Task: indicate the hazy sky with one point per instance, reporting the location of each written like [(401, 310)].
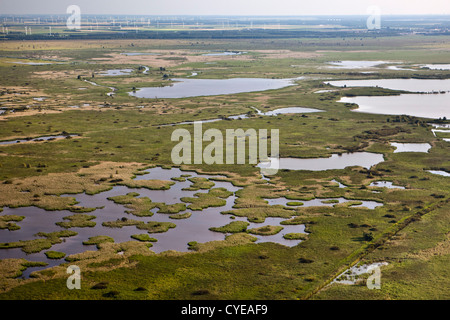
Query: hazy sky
[(226, 7)]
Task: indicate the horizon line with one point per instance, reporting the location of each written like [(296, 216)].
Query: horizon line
[(233, 15)]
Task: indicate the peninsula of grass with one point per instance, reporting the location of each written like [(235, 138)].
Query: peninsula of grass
[(6, 222), (265, 230), (178, 179), (349, 203), (232, 227), (37, 245), (295, 236)]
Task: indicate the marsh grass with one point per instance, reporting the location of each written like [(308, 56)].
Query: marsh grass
[(232, 227), (214, 198), (77, 221), (185, 215), (7, 222), (97, 240), (199, 183), (150, 226), (266, 230), (295, 236), (143, 237), (46, 241), (138, 206), (55, 254)]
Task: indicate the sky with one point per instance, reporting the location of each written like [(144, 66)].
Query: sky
[(226, 7)]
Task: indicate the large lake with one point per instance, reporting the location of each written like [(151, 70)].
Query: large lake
[(430, 105), (184, 88)]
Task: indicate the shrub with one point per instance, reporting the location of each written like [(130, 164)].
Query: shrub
[(200, 292), (304, 260), (100, 285), (111, 294), (367, 236)]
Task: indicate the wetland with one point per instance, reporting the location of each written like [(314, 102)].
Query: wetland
[(87, 178)]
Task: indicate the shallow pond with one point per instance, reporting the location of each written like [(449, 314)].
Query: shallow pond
[(325, 91), (47, 138), (411, 85), (33, 63), (116, 72), (328, 202), (362, 159), (352, 64), (183, 88), (194, 228), (433, 104), (440, 172), (411, 147), (437, 66), (275, 112), (350, 276), (226, 53), (140, 53), (385, 184), (288, 111)]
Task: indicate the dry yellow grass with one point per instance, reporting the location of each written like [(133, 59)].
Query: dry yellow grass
[(40, 191)]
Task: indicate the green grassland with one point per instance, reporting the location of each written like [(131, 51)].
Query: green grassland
[(410, 231)]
